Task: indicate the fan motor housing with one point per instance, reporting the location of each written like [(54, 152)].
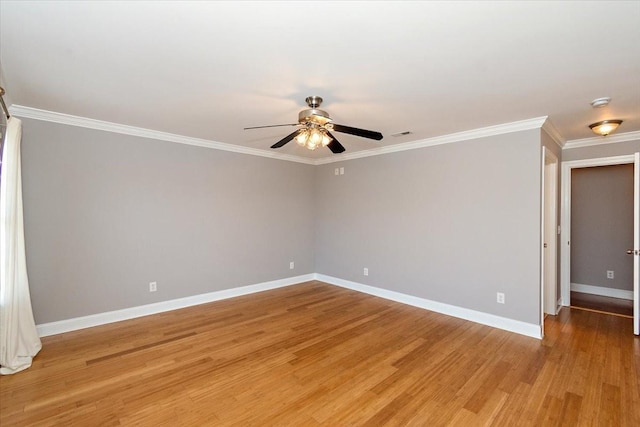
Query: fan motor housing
[(314, 115)]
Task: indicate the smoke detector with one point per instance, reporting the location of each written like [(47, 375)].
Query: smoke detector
[(600, 102)]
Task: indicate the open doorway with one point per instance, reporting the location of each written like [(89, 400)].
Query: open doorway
[(601, 232), (604, 238)]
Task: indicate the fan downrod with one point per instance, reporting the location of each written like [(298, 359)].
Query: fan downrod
[(313, 101)]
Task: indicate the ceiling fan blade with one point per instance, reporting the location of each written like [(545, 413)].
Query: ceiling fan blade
[(286, 139), (335, 145), (358, 132), (271, 126)]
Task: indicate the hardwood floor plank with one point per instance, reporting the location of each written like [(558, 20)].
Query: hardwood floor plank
[(389, 411), (316, 355), (488, 385), (609, 413), (602, 304), (571, 404), (139, 348)]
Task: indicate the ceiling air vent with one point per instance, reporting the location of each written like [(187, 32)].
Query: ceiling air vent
[(406, 132)]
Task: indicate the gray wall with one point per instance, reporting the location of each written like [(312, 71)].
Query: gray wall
[(602, 226), (604, 150), (454, 223), (105, 214)]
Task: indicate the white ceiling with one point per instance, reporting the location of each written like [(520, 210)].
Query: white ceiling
[(209, 69)]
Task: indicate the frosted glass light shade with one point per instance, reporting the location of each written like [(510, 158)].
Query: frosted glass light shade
[(605, 127)]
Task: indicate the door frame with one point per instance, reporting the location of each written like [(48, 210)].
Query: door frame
[(565, 227), (549, 164)]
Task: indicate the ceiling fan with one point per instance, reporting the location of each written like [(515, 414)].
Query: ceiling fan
[(315, 129)]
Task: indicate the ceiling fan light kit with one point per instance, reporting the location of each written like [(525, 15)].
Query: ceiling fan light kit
[(315, 129), (313, 138)]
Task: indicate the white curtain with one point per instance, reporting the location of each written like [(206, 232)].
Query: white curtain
[(19, 340)]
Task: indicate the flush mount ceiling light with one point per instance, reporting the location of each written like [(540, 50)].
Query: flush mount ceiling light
[(605, 127), (600, 102)]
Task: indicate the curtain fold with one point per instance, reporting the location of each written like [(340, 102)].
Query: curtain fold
[(19, 340)]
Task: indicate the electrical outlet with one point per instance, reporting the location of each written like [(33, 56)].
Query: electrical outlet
[(291, 265), (610, 274), (500, 298), (341, 171), (366, 271), (337, 171), (153, 286)]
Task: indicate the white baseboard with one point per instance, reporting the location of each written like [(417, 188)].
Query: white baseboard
[(523, 328), (62, 326), (68, 325), (602, 291)]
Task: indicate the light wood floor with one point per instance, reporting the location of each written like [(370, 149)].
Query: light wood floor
[(314, 354)]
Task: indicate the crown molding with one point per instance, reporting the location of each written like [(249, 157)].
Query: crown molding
[(553, 133), (67, 119), (600, 140), (535, 123)]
